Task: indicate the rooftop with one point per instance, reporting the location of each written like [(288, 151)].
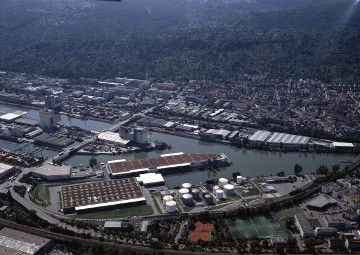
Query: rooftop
[(22, 243), (150, 178), (5, 167), (52, 170), (162, 162), (259, 136), (321, 201), (102, 193), (112, 137)]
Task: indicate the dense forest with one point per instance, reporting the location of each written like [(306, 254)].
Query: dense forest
[(319, 42)]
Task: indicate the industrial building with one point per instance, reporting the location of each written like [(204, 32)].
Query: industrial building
[(17, 242), (304, 226), (47, 119), (164, 162), (151, 179), (52, 140), (287, 140), (321, 203), (51, 172), (259, 137), (11, 116), (100, 195), (6, 170), (114, 138)]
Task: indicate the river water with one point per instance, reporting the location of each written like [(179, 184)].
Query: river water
[(249, 162)]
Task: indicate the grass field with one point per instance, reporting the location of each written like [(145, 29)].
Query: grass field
[(41, 193), (289, 212), (251, 191), (118, 213), (255, 227)]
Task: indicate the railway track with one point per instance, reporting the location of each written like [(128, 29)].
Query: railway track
[(92, 242)]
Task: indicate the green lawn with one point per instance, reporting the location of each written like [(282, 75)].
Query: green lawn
[(118, 213), (289, 212), (41, 193)]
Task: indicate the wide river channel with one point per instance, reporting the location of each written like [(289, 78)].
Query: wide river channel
[(249, 162)]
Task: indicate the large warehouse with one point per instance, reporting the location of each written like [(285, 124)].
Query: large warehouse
[(6, 170), (165, 162), (259, 137), (287, 140), (95, 195), (17, 242)]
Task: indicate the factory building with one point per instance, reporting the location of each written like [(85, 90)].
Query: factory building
[(51, 172), (151, 179), (259, 137), (47, 119), (164, 163), (101, 195), (6, 170), (17, 242), (53, 102), (287, 140)]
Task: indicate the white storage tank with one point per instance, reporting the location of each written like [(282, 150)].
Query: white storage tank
[(223, 182), (167, 198), (215, 188), (229, 189), (182, 192), (208, 199), (186, 185), (188, 199), (171, 206), (239, 179), (219, 194), (164, 193), (196, 193)]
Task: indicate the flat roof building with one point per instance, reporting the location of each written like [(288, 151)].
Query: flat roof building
[(151, 179), (259, 136), (287, 140), (164, 162), (6, 170), (321, 202), (51, 172), (114, 138), (17, 242), (93, 195)]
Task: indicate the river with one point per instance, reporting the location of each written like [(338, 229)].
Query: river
[(249, 162)]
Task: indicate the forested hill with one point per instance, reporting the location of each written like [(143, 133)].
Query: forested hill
[(320, 41)]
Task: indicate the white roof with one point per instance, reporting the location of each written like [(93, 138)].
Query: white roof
[(5, 167), (112, 137), (116, 160), (340, 144), (12, 115), (172, 154), (133, 200), (259, 135), (52, 170), (150, 178)]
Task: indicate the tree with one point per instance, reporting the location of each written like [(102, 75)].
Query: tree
[(297, 169), (93, 161)]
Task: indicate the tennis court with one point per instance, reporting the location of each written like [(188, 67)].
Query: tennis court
[(256, 226)]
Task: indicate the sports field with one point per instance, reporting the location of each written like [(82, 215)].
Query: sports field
[(257, 226)]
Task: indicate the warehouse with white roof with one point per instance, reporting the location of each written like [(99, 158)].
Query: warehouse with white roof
[(259, 137), (287, 140)]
